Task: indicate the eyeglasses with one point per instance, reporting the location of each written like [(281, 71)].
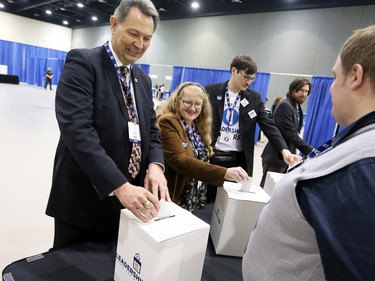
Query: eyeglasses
[(248, 78), (189, 104)]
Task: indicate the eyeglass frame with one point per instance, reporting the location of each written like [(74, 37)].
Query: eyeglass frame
[(193, 104), (246, 77), (196, 105)]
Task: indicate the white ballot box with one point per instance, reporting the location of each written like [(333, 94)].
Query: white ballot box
[(272, 179), (169, 249), (234, 217)]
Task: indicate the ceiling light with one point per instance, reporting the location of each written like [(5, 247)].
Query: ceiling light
[(94, 18), (80, 5), (2, 5), (48, 12), (195, 5), (65, 22)]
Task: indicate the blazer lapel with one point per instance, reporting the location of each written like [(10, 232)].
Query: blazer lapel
[(300, 112), (220, 98), (244, 109), (115, 83), (140, 101)]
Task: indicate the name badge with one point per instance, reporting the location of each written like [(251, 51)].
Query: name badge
[(134, 132), (252, 114), (244, 102)]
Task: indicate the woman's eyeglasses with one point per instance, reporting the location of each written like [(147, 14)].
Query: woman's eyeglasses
[(189, 104)]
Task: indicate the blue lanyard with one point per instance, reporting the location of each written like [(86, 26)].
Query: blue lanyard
[(124, 84), (194, 137), (315, 153), (231, 108)]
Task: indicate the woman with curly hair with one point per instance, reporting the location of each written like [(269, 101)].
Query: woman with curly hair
[(185, 128)]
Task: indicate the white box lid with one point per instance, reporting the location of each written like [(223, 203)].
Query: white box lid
[(181, 223), (257, 193)]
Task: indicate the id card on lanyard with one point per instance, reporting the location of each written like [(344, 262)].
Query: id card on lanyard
[(134, 132), (133, 127)]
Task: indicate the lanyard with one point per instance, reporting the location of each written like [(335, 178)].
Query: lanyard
[(315, 153), (231, 108), (194, 137), (124, 84)]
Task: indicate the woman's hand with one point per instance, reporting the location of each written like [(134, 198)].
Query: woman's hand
[(236, 174)]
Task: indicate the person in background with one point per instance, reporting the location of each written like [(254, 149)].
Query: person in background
[(185, 128), (236, 111), (161, 91), (320, 222), (109, 155), (276, 101), (49, 76), (288, 117)]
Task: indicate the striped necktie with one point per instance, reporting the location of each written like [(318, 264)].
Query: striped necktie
[(136, 153)]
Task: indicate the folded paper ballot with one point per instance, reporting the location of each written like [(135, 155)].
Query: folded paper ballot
[(246, 185), (164, 212)]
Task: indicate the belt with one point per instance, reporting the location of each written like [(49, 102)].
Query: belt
[(227, 153)]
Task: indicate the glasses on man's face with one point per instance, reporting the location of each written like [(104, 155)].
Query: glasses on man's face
[(248, 77), (189, 104)]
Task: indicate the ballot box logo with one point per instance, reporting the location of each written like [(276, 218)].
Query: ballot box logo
[(137, 265), (133, 270)]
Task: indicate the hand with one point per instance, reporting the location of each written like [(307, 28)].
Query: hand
[(134, 198), (156, 182), (290, 158), (236, 174)]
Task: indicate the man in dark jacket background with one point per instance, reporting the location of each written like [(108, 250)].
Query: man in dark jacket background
[(288, 117)]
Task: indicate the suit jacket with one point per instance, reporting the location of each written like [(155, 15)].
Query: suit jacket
[(247, 124), (180, 161), (286, 119), (92, 155)]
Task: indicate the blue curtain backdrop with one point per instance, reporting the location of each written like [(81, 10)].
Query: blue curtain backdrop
[(320, 125), (178, 72), (30, 62), (145, 68), (205, 76), (261, 86)]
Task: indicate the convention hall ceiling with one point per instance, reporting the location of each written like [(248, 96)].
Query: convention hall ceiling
[(78, 17)]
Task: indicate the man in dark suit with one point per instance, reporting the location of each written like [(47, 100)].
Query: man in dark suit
[(105, 113), (288, 117), (236, 110)]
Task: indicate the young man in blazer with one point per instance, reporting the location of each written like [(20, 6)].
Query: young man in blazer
[(236, 110), (102, 117)]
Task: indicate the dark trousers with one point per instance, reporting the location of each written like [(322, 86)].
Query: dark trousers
[(48, 82), (228, 160), (68, 234), (267, 167)]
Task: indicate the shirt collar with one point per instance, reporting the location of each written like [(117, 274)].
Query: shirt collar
[(118, 62), (360, 123)]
